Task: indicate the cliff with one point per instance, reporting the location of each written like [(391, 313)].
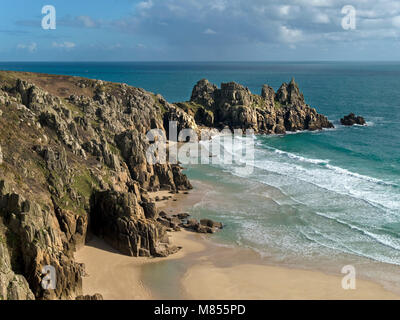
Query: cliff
[(73, 163), (236, 107)]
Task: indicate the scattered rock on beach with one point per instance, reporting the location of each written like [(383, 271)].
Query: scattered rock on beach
[(352, 119), (183, 216), (191, 223), (164, 222), (204, 226), (211, 224), (164, 250), (176, 221), (172, 222)]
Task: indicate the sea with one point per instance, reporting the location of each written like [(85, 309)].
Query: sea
[(314, 200)]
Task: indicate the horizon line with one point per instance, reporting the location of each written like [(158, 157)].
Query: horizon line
[(189, 61)]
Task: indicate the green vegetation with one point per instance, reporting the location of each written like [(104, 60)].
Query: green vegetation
[(113, 148), (278, 105), (2, 239), (74, 109), (190, 107), (159, 105), (95, 124), (84, 184)]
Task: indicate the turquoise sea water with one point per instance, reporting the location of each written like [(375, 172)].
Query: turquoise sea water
[(314, 198)]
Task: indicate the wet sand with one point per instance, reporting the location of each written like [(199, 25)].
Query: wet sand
[(204, 270), (232, 273)]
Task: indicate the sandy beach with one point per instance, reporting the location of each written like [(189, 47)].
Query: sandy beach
[(204, 270), (118, 277), (230, 273)]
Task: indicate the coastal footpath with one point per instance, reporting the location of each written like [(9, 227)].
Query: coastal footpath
[(73, 163)]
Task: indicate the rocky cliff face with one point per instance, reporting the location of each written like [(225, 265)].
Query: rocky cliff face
[(72, 161), (236, 107)]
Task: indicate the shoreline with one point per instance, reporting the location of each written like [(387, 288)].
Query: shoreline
[(203, 269), (241, 274)]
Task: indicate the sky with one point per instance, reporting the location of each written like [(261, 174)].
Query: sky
[(201, 30)]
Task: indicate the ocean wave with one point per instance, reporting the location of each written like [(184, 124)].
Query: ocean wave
[(346, 249), (332, 167), (323, 174), (255, 237), (385, 240), (297, 157), (361, 176), (380, 199), (320, 173)]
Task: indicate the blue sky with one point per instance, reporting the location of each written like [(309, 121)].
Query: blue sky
[(199, 30)]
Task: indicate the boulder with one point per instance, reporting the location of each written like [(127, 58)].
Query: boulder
[(210, 223), (162, 214), (352, 119), (204, 226), (183, 216), (192, 224), (204, 229), (165, 222)]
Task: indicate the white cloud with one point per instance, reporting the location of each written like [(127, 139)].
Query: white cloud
[(284, 10), (65, 44), (321, 18), (32, 47), (290, 35), (219, 5), (243, 23), (145, 5), (87, 21), (209, 31), (316, 3), (396, 21)]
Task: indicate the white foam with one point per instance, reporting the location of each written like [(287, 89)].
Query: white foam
[(372, 190), (385, 240), (313, 183), (299, 158)]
